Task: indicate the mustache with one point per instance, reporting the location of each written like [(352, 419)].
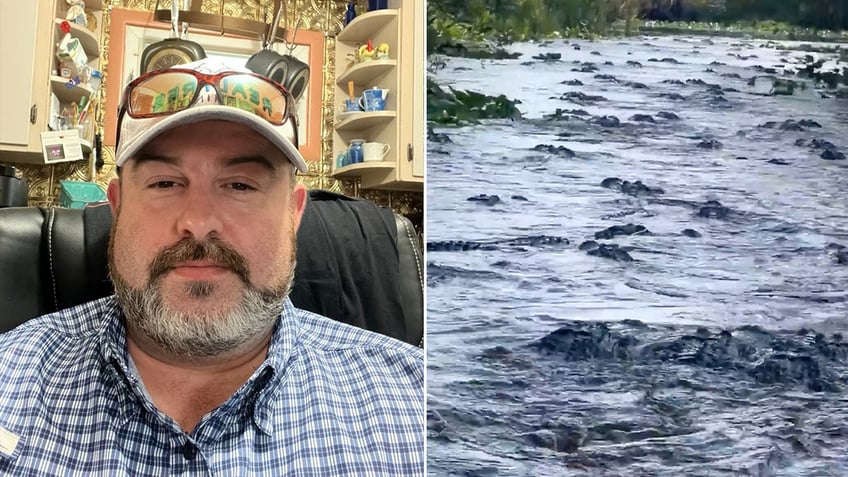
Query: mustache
[(189, 249)]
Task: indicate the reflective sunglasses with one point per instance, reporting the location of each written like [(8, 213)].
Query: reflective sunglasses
[(169, 91)]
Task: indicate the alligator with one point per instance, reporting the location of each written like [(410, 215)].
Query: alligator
[(642, 118), (605, 77), (485, 199), (608, 121), (832, 155), (711, 209), (615, 230), (517, 242), (668, 115), (603, 250), (555, 150), (791, 125), (548, 56), (635, 189), (801, 357), (581, 98), (710, 144)]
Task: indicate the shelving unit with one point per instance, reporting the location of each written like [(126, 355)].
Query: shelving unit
[(367, 71), (374, 167), (366, 120), (88, 39), (366, 24), (34, 31), (401, 124), (59, 87)]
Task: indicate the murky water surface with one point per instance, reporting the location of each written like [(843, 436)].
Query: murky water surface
[(717, 351)]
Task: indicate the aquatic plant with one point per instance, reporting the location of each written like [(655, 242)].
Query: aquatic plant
[(452, 106)]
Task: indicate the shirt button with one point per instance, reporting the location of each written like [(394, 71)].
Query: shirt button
[(189, 450)]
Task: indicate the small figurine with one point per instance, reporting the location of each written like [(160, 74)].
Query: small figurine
[(350, 13), (76, 12), (366, 51), (382, 52)]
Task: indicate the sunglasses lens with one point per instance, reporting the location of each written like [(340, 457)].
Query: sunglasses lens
[(172, 91), (254, 95), (162, 94)]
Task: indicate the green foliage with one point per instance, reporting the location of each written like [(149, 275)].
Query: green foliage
[(521, 20), (818, 14)]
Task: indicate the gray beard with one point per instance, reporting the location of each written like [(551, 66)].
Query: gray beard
[(199, 334)]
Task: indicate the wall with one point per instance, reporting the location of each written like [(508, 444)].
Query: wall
[(319, 15)]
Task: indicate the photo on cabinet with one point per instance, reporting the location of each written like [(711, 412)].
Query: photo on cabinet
[(207, 265), (637, 248)]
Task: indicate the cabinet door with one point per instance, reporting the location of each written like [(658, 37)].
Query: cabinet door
[(418, 91), (412, 84), (18, 26)]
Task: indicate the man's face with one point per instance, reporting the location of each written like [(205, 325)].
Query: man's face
[(203, 241)]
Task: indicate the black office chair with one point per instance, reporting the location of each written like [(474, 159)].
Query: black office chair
[(356, 263)]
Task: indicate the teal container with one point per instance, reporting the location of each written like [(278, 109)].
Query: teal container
[(75, 194)]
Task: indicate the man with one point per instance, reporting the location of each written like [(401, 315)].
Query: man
[(200, 365)]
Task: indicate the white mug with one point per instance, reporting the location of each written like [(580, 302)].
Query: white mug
[(375, 151)]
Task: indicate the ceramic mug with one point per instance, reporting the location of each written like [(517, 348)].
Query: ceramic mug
[(374, 99), (375, 151), (351, 105)]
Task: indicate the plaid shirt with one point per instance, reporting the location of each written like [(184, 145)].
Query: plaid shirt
[(329, 400)]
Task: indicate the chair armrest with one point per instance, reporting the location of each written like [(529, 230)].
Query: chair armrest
[(411, 279)]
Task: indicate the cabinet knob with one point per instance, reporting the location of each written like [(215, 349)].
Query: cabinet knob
[(33, 114), (410, 152)]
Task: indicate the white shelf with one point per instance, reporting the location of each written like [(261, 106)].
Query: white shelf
[(365, 72), (358, 169), (89, 41), (366, 120), (364, 25), (68, 95)]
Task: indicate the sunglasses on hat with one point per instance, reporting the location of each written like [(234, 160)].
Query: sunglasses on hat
[(169, 91)]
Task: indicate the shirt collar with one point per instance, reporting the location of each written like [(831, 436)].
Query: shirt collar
[(265, 383)]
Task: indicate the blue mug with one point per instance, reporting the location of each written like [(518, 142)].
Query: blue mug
[(374, 99), (352, 105)]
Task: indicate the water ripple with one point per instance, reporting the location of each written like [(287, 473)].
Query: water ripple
[(717, 350)]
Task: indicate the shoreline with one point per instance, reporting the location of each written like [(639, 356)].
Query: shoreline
[(750, 33)]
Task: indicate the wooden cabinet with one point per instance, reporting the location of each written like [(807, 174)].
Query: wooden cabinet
[(401, 124), (29, 34)]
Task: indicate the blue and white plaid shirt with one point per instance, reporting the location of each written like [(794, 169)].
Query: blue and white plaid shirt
[(329, 400)]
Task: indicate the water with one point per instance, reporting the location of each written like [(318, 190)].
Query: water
[(545, 360)]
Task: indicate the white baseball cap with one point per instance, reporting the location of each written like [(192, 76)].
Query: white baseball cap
[(136, 133)]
